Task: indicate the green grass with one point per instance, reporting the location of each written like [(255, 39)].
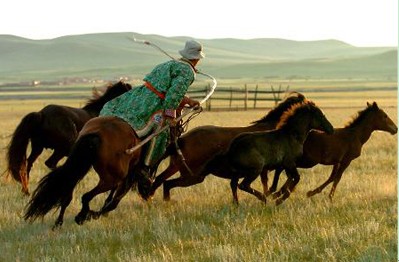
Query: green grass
[(202, 224)]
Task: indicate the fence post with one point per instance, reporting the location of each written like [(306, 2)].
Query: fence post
[(256, 95)]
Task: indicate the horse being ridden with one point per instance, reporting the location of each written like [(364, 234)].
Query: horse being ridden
[(252, 153), (102, 144), (203, 143), (341, 147), (106, 142), (55, 127)]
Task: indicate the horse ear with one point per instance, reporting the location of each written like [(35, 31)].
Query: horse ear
[(368, 104), (375, 104)]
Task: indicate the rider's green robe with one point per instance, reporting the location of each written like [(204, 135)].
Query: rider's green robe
[(140, 106)]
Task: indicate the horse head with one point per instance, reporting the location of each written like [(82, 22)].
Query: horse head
[(381, 121), (319, 120), (305, 116)]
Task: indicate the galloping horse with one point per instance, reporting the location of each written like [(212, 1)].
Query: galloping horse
[(214, 140), (252, 153), (102, 144), (55, 127), (341, 147)]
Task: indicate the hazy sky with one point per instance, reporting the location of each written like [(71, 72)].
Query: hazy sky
[(357, 22)]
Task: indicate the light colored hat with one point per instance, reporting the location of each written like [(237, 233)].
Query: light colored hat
[(192, 50)]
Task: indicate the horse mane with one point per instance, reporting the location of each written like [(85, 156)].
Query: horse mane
[(276, 112), (361, 115), (96, 94), (111, 90), (294, 109)]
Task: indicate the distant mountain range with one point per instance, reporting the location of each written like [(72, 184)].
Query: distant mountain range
[(114, 55)]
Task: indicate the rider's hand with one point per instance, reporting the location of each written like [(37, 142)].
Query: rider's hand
[(193, 103), (172, 122), (188, 101)]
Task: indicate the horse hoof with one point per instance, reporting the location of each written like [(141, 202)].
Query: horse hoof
[(79, 220), (95, 215), (263, 199), (57, 225), (25, 191), (166, 198), (146, 198), (310, 194), (275, 195), (279, 201)]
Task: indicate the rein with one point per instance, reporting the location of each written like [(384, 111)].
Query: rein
[(195, 111)]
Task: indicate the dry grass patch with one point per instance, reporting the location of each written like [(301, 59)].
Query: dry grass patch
[(202, 224)]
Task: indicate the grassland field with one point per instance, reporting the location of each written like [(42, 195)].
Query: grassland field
[(202, 224)]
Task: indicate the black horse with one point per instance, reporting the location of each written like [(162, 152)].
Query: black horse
[(253, 153), (55, 127)]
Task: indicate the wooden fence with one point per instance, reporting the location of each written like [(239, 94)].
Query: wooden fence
[(233, 98)]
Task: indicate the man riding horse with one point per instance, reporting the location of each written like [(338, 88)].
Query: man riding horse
[(148, 107)]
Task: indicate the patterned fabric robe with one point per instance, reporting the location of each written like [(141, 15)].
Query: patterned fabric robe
[(145, 111)]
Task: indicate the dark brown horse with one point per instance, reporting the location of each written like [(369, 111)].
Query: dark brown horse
[(55, 127), (340, 148), (214, 140), (252, 153), (101, 144)]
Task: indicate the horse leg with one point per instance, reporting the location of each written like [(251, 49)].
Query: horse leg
[(53, 160), (245, 185), (34, 154), (264, 180), (60, 218), (338, 178), (159, 180), (180, 182), (276, 177), (283, 188), (107, 200), (112, 201), (328, 181), (85, 213), (234, 186), (293, 180)]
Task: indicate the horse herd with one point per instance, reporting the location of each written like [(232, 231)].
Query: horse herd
[(294, 134)]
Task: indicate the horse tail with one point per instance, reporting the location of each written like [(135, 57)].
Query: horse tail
[(57, 187), (16, 154)]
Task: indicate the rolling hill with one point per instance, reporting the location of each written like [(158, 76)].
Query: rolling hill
[(112, 55)]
